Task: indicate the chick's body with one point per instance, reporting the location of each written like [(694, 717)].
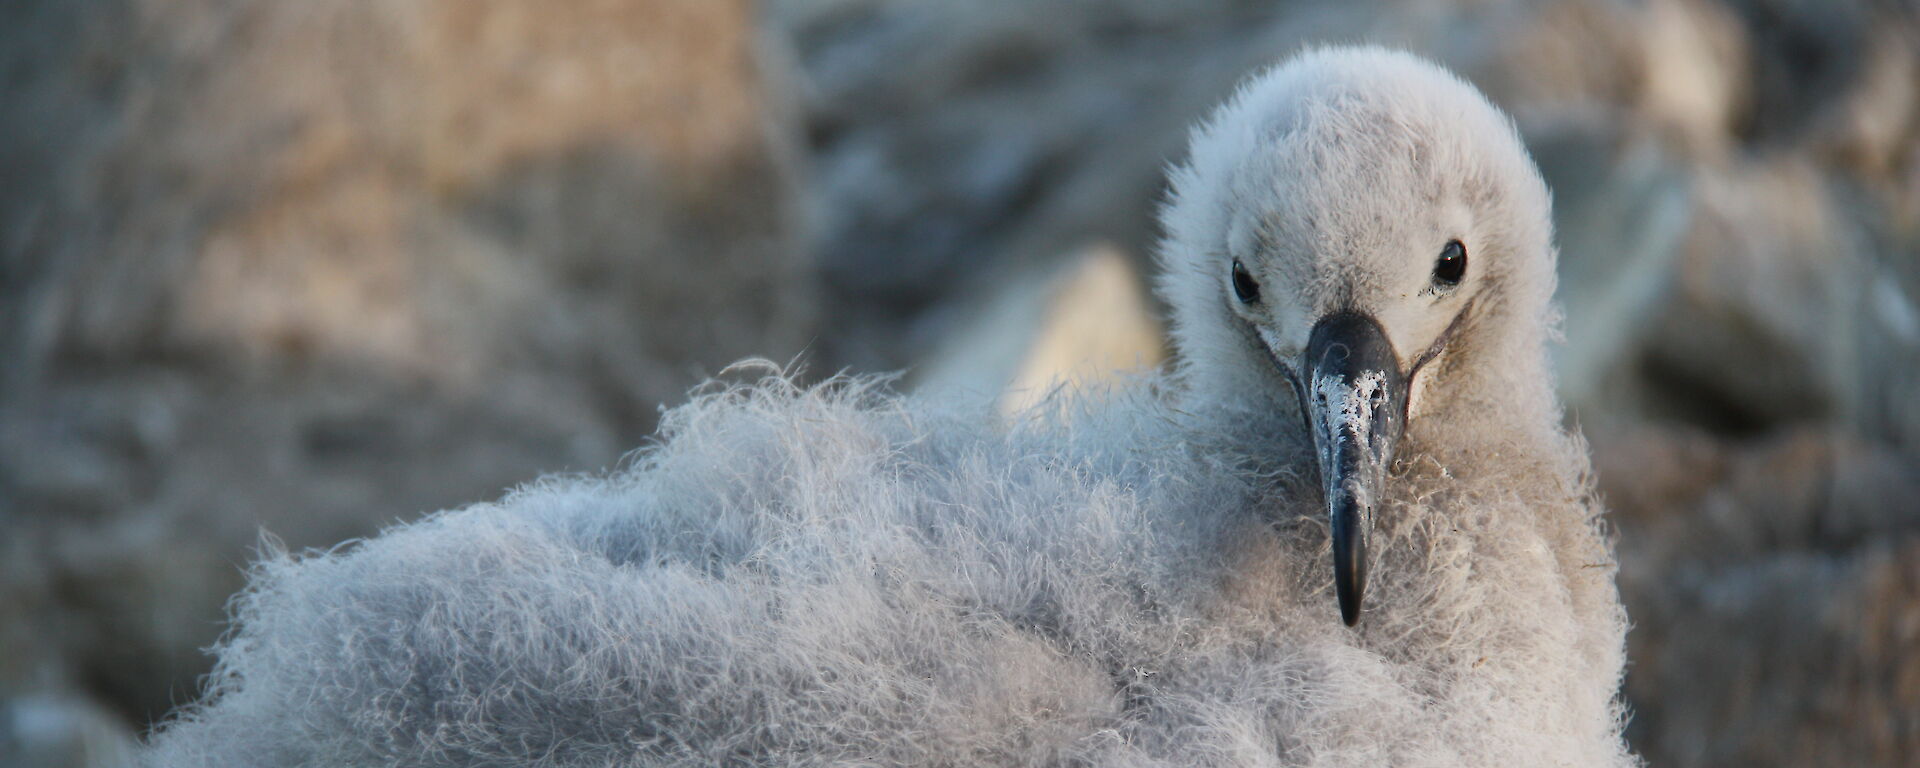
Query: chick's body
[(837, 575)]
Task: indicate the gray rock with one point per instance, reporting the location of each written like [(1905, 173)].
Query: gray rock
[(51, 730)]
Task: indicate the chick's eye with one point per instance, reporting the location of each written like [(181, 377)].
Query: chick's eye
[(1243, 285), (1452, 265)]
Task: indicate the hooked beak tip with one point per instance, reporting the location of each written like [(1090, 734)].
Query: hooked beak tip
[(1349, 561)]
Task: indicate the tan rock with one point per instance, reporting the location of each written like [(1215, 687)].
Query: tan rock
[(1039, 338), (1774, 593), (314, 267)]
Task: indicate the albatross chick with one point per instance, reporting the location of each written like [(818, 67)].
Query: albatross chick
[(1346, 528)]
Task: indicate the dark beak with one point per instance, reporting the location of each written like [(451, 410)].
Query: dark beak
[(1356, 404)]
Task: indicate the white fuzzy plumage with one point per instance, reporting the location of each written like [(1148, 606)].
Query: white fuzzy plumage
[(838, 575)]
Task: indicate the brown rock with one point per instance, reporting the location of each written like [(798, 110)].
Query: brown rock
[(314, 267), (1773, 592)]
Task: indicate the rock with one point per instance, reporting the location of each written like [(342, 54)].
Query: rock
[(50, 730), (315, 267), (1775, 591), (1621, 223), (1041, 337), (951, 139), (1775, 319)]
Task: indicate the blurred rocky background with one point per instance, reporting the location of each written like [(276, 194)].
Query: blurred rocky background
[(316, 267)]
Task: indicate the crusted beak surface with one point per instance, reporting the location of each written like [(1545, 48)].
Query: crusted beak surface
[(1356, 402)]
